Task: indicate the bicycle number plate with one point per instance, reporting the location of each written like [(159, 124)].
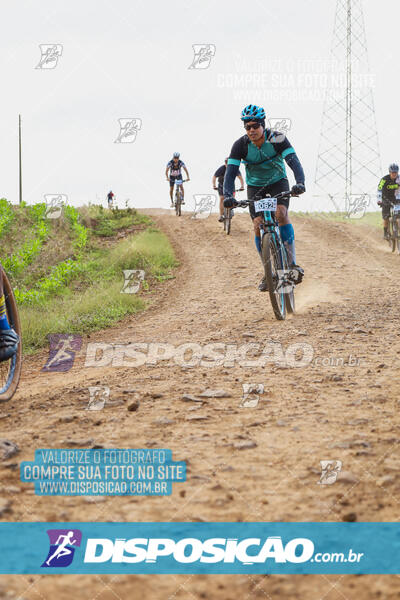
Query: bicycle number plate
[(396, 208), (178, 181), (265, 204)]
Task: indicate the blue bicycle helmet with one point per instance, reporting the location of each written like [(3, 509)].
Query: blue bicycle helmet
[(176, 155), (393, 168), (253, 113)]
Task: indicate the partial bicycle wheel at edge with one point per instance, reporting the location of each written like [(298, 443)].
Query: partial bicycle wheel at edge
[(272, 262), (10, 370)]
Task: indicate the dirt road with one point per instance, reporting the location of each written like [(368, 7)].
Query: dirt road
[(244, 464)]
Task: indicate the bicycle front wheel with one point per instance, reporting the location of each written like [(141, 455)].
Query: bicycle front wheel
[(178, 202), (10, 370), (396, 234), (272, 261), (228, 220), (392, 235)]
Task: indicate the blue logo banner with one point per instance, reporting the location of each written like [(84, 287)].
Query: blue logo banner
[(204, 548)]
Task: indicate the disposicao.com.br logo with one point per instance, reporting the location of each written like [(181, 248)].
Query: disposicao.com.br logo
[(188, 550)]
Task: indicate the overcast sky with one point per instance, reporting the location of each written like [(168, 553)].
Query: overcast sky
[(130, 59)]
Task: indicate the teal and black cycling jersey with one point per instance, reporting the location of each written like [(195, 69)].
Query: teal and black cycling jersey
[(263, 165)]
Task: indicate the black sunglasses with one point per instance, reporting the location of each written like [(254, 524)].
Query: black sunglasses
[(249, 126)]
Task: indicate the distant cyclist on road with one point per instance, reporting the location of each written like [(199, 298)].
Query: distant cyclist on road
[(110, 199), (387, 189), (220, 174), (263, 152), (175, 167)]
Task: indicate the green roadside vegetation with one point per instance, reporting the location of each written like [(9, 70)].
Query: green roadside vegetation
[(67, 272)]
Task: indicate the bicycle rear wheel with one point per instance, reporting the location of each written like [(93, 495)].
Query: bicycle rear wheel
[(10, 370), (272, 261)]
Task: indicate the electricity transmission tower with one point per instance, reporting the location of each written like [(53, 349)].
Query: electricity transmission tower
[(348, 158)]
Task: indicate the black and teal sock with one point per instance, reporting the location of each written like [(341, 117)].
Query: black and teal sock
[(287, 235), (3, 315), (257, 240)]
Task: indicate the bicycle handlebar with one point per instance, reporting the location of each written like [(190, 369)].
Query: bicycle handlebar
[(238, 190), (248, 201)]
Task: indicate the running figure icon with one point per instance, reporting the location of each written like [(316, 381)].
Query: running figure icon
[(62, 549), (63, 544)]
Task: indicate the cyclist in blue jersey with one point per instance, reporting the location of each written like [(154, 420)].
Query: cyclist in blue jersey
[(175, 167), (263, 152)]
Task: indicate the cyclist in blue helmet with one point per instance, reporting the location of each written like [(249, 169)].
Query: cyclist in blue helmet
[(264, 153)]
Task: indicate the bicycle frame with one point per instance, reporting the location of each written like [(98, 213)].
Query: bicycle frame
[(179, 186)]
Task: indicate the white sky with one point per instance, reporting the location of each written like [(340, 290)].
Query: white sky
[(124, 58)]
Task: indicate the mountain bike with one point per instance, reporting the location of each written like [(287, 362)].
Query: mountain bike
[(281, 280), (394, 227), (228, 214), (178, 196), (10, 370)]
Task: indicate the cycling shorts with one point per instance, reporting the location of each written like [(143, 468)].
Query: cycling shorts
[(175, 179), (275, 188)]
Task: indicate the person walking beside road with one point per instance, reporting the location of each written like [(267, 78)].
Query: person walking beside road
[(387, 189), (220, 174)]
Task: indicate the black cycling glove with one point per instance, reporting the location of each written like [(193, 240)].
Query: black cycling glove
[(298, 188), (230, 202)]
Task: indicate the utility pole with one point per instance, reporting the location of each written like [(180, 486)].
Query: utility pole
[(20, 161)]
